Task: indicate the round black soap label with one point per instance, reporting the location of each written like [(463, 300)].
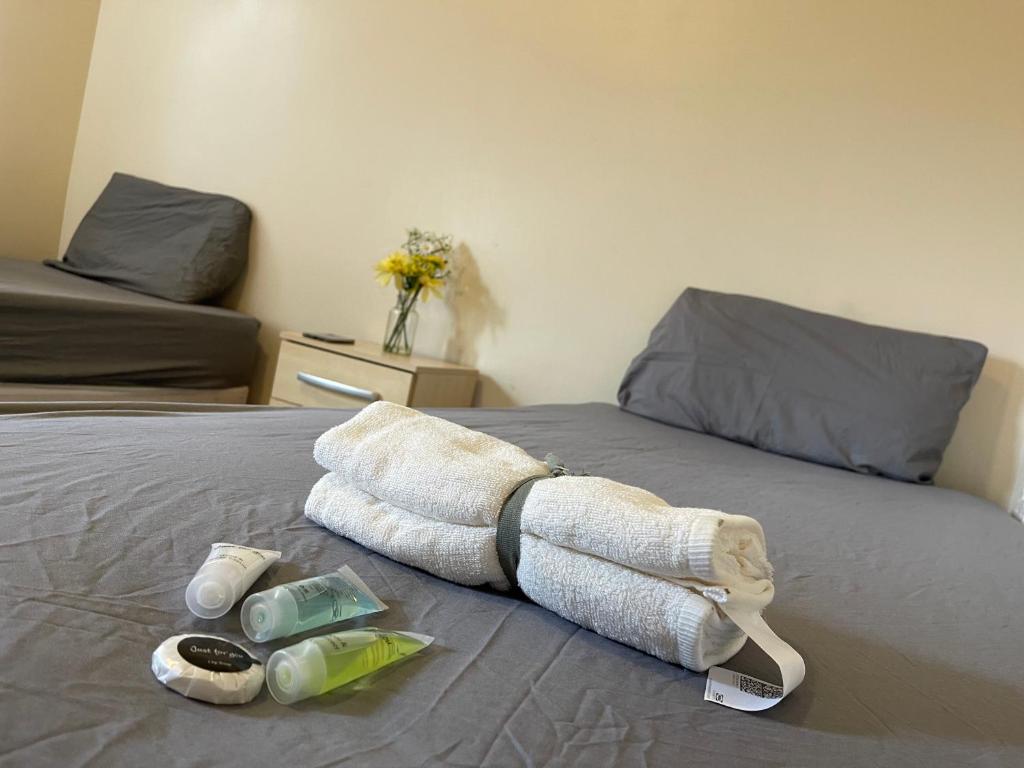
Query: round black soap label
[(214, 654)]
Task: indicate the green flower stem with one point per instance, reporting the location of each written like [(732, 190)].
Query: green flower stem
[(406, 301)]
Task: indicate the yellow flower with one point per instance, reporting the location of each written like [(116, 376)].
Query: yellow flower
[(436, 261), (431, 286), (412, 270), (394, 266)]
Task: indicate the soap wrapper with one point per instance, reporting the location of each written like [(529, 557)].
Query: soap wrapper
[(208, 668)]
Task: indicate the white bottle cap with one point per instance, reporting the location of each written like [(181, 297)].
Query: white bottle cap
[(268, 615), (296, 672), (214, 589)]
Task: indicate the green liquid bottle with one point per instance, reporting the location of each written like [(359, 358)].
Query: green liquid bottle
[(320, 664), (307, 604)]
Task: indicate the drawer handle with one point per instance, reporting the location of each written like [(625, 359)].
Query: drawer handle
[(336, 386)]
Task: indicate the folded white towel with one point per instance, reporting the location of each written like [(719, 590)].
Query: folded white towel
[(445, 471), (422, 463), (464, 554)]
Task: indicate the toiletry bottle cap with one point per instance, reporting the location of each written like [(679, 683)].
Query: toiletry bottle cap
[(213, 590), (210, 595), (268, 615), (207, 598), (296, 673)]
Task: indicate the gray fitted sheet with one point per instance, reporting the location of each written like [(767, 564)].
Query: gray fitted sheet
[(905, 600), (58, 328)]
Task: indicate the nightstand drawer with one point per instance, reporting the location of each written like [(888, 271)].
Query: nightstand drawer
[(312, 377)]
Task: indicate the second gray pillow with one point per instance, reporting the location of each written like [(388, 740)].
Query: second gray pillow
[(170, 242), (804, 384)]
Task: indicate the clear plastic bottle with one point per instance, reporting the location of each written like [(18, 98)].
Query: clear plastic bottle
[(307, 604), (320, 664)]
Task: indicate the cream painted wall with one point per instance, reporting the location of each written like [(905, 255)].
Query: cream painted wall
[(44, 59), (593, 159)]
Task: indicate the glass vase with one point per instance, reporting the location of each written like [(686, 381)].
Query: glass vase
[(402, 321)]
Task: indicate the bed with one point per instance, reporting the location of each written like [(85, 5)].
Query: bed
[(65, 337), (904, 600)]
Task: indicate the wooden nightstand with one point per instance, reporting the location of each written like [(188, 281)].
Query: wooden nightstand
[(317, 374)]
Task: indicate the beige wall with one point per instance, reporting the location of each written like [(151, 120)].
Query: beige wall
[(44, 59), (593, 159)]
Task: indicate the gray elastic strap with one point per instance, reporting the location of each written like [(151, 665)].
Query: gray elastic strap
[(508, 533)]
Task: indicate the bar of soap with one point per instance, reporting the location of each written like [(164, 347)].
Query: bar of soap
[(208, 668)]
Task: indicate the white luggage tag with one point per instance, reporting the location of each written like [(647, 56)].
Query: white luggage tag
[(735, 689), (746, 693)]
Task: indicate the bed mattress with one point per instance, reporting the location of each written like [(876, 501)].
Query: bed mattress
[(58, 328), (905, 601)]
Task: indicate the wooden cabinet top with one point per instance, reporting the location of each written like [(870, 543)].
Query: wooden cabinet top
[(373, 353)]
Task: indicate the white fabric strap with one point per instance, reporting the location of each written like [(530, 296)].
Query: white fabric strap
[(746, 693)]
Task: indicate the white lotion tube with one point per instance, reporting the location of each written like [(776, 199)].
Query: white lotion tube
[(227, 574)]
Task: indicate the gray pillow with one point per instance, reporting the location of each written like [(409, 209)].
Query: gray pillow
[(164, 241), (817, 387)]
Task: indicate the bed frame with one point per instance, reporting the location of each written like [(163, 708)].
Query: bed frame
[(41, 393)]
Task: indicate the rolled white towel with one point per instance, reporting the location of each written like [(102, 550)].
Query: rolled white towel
[(635, 528), (463, 554), (678, 583), (422, 463), (656, 616)]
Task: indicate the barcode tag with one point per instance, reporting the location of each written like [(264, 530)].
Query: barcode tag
[(739, 691)]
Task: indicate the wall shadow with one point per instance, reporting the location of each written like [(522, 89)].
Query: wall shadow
[(472, 307), (983, 456), (491, 394)]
